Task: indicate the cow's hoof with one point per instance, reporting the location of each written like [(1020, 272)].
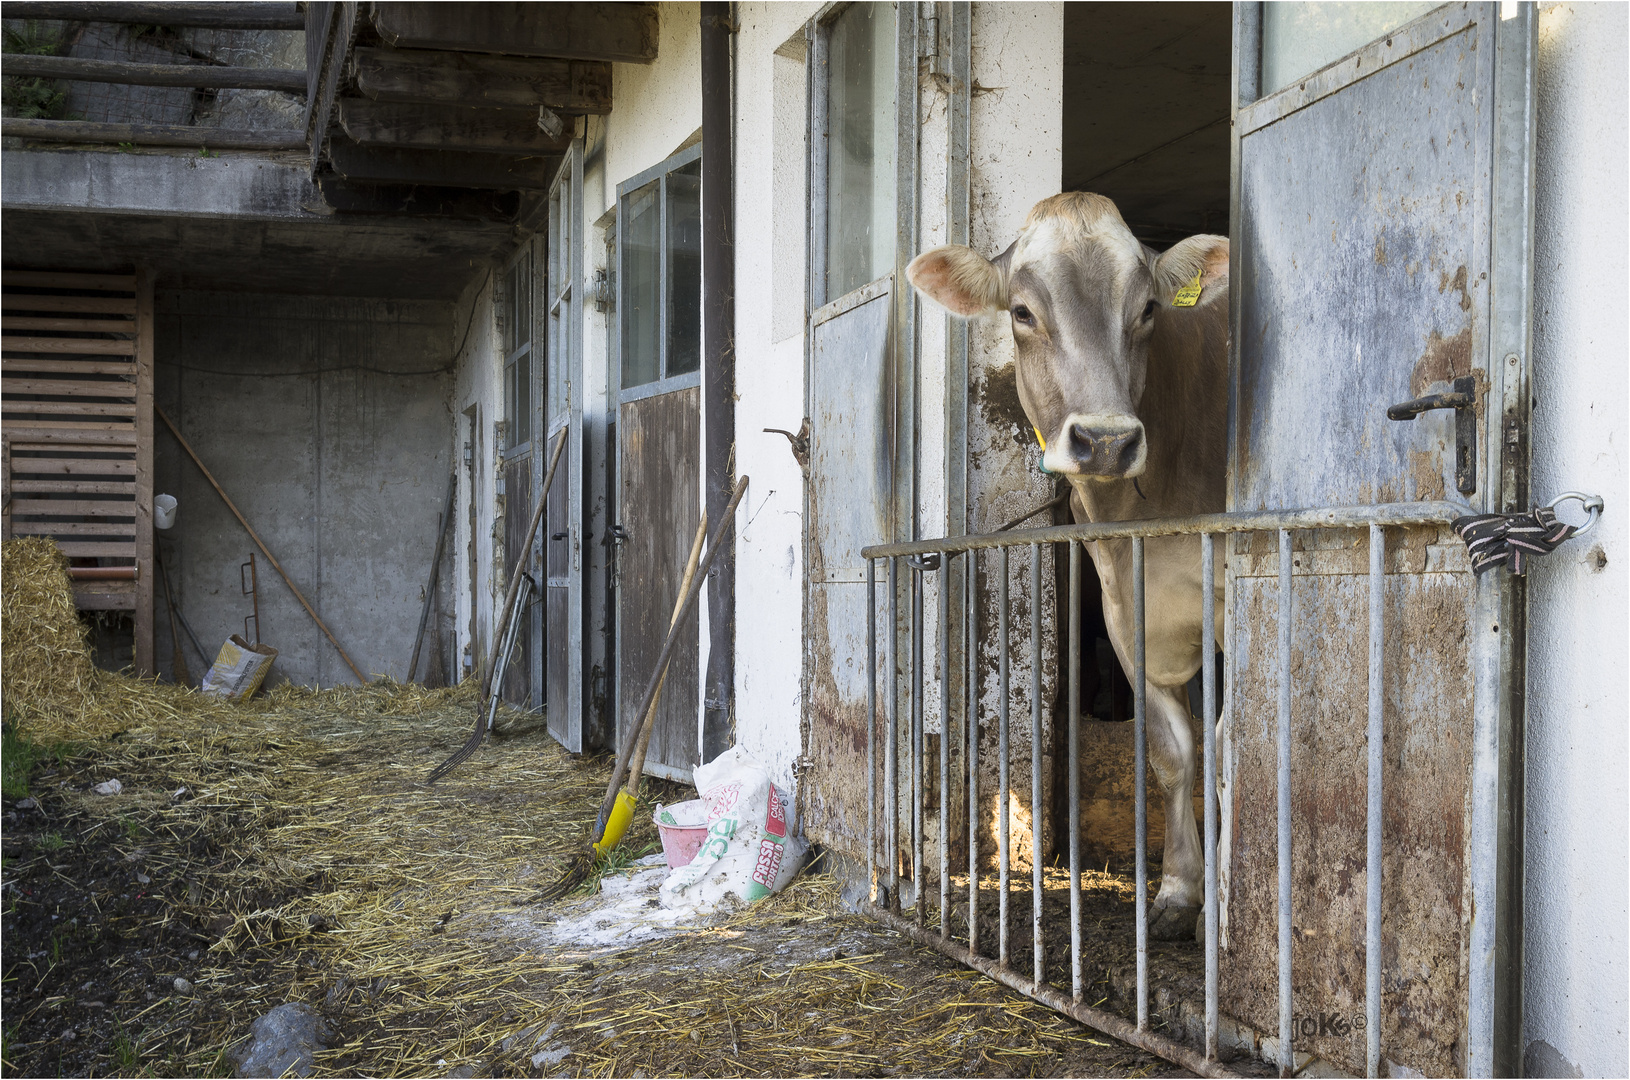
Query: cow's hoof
[(1173, 923)]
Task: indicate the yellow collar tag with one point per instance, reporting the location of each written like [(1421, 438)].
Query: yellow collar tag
[(1189, 295), (1043, 444)]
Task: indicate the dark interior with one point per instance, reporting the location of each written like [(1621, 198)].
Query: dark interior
[(1146, 104)]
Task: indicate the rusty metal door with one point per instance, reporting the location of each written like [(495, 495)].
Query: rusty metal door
[(659, 449), (1381, 253), (560, 535), (863, 178)]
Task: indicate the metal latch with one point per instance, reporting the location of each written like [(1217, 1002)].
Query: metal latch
[(1463, 400), (617, 535)]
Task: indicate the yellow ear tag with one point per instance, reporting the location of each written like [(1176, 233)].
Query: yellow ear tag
[(1189, 295), (1043, 444)]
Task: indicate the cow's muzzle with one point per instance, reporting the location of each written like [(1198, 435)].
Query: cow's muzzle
[(1105, 445)]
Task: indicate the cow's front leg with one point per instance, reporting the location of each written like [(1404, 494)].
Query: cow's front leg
[(1171, 755)]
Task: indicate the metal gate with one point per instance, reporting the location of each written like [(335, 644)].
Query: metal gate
[(1381, 258)]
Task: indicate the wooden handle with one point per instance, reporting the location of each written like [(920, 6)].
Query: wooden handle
[(264, 550), (636, 765), (662, 658)]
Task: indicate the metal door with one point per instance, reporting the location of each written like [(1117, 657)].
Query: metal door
[(659, 448), (517, 293), (560, 535), (1382, 221), (862, 62)]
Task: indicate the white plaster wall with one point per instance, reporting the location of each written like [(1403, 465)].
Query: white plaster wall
[(658, 106), (770, 200), (477, 381), (1578, 755)]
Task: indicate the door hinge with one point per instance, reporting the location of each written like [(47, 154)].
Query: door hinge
[(928, 37)]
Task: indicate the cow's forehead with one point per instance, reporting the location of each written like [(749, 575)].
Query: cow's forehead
[(1105, 246)]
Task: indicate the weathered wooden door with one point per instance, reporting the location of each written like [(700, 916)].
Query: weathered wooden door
[(1381, 252), (659, 447), (560, 537), (862, 181)]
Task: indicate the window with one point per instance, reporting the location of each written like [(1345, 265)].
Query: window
[(516, 303), (860, 148), (660, 283)]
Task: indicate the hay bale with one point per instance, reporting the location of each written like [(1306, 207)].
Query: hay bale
[(47, 675)]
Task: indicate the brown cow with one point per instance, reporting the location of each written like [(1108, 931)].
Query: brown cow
[(1128, 391)]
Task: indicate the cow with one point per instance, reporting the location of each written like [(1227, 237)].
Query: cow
[(1123, 373)]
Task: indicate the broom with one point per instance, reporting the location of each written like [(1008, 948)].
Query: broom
[(617, 809)]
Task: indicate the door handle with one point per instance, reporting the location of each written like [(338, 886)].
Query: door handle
[(617, 535), (557, 536), (1463, 400)]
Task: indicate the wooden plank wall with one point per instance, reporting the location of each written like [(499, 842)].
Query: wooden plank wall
[(76, 388)]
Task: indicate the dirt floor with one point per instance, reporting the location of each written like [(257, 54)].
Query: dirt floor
[(290, 851)]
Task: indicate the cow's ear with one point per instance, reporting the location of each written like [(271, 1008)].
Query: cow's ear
[(1201, 260), (961, 280)]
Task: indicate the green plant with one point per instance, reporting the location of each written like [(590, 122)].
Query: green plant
[(20, 756), (52, 841), (204, 151), (33, 98), (126, 1054)]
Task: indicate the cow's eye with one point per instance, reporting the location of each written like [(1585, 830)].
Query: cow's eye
[(1021, 315), (1149, 310)]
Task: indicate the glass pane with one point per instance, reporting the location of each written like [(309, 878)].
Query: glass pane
[(518, 406), (685, 269), (1300, 38), (642, 268), (860, 149)]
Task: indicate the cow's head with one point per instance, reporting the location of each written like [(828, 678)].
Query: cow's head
[(1083, 296)]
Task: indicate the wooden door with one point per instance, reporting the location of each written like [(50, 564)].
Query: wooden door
[(659, 447), (516, 304), (1381, 252)]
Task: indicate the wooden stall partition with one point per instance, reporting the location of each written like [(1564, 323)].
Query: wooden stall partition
[(76, 389)]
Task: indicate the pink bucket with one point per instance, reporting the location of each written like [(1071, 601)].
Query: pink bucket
[(683, 828)]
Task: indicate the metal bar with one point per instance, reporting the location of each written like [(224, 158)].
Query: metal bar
[(871, 729), (1140, 782), (970, 720), (1076, 978), (1108, 1023), (891, 753), (1208, 730), (1038, 951), (1001, 764), (945, 749), (1372, 859), (1341, 517), (918, 584), (1287, 1056)]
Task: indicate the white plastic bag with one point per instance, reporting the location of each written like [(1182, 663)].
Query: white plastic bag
[(747, 854)]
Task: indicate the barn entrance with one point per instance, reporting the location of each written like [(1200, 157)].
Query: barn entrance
[(1146, 96)]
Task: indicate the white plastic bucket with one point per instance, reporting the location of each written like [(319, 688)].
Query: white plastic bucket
[(163, 511)]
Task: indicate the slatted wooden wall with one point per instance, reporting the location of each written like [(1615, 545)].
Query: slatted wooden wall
[(76, 385)]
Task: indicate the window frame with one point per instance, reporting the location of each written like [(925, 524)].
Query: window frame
[(665, 382)]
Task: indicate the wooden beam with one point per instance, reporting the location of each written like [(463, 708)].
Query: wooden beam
[(439, 168), (624, 33), (77, 367), (424, 77), (75, 487), (85, 346), (202, 76), (447, 127), (100, 305), (72, 466), (89, 326), (85, 131), (73, 508), (74, 528), (218, 16), (51, 279), (70, 387), (67, 408), (82, 434)]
